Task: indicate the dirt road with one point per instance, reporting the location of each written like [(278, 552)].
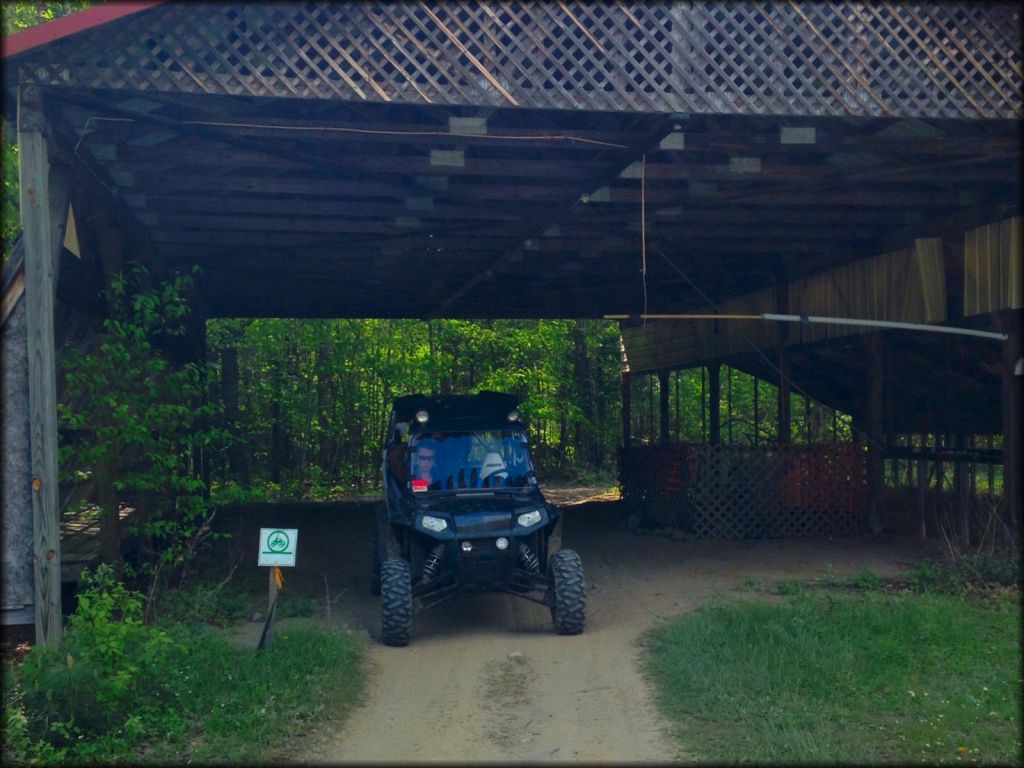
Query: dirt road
[(486, 679)]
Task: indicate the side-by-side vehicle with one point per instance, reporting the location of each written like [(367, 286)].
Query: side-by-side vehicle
[(463, 512)]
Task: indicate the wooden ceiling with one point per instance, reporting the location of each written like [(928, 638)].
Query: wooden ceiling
[(294, 207)]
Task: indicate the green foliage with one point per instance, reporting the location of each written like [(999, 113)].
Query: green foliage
[(206, 603), (12, 207), (862, 677), (741, 422), (289, 606), (868, 580), (100, 680), (966, 572), (117, 690), (244, 706), (314, 395), (20, 15), (20, 747), (144, 419), (791, 587)]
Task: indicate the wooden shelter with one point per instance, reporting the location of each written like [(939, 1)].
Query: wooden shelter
[(543, 159)]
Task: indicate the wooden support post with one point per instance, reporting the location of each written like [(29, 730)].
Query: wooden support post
[(196, 353), (874, 344), (715, 402), (784, 398), (663, 383), (922, 496), (991, 468), (782, 307), (728, 403), (237, 465), (110, 522), (627, 416), (960, 484), (972, 475), (703, 405), (41, 254), (1012, 379), (679, 413), (650, 407), (757, 413)]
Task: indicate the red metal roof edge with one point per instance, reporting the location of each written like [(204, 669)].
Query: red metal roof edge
[(73, 23)]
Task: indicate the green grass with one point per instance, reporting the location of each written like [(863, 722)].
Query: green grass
[(120, 691), (244, 706), (848, 678)]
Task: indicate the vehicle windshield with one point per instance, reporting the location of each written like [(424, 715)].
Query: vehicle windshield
[(486, 459)]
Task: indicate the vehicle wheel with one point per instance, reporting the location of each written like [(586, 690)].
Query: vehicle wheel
[(375, 572), (569, 612), (395, 602)]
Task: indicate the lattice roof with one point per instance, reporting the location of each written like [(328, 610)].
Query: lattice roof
[(822, 59)]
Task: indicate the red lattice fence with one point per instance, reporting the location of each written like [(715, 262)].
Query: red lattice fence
[(737, 492)]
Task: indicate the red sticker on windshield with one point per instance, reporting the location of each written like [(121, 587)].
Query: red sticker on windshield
[(419, 485)]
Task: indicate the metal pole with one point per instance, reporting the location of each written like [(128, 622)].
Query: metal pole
[(822, 319)]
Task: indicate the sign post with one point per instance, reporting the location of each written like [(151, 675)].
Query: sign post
[(277, 549)]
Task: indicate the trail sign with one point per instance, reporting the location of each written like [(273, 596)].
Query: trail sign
[(278, 546)]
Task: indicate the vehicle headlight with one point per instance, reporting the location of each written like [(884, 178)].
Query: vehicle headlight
[(435, 524), (529, 518)]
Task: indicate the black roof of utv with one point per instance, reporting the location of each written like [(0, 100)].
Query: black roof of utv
[(458, 413)]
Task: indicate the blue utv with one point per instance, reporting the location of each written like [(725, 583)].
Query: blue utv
[(462, 512)]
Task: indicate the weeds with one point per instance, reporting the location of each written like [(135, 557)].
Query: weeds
[(868, 580), (790, 587), (966, 573), (750, 584)]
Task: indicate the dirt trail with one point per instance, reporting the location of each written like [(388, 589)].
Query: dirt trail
[(486, 679)]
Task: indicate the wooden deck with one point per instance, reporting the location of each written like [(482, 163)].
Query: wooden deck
[(80, 541)]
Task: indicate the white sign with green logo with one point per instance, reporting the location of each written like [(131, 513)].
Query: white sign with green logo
[(278, 546)]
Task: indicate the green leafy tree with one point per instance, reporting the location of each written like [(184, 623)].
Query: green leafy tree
[(314, 396), (145, 418)]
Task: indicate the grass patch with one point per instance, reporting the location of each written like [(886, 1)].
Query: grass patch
[(844, 678), (245, 706), (119, 690)]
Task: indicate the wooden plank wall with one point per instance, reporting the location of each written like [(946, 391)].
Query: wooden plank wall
[(908, 285), (992, 267), (672, 343)]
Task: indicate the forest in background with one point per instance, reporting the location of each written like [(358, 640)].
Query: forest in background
[(313, 396)]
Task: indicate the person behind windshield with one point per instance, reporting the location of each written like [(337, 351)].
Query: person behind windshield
[(423, 468)]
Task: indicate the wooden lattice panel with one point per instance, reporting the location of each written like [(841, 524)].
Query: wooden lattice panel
[(828, 59), (740, 492)]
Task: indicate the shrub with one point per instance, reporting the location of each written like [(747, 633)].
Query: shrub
[(104, 676), (20, 747), (790, 587), (207, 603), (966, 571), (116, 685), (868, 580)]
